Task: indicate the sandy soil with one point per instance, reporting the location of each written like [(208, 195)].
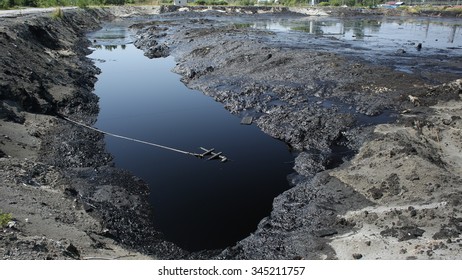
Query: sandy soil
[(415, 189)]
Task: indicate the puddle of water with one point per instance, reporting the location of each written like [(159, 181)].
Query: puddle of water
[(392, 40), (112, 34), (379, 33), (197, 204)]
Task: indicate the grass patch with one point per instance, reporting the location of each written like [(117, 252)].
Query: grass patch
[(449, 10), (301, 28), (455, 9), (58, 13), (241, 25), (5, 218)]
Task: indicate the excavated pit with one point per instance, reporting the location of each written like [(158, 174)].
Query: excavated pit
[(359, 184)]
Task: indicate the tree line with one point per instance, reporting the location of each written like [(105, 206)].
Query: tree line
[(7, 4)]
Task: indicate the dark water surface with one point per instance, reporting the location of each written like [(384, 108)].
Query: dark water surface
[(198, 204), (391, 41)]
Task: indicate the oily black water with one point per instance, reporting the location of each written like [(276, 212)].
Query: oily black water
[(198, 204)]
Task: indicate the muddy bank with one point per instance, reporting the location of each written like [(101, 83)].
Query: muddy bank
[(329, 106), (307, 10), (66, 199), (312, 100)]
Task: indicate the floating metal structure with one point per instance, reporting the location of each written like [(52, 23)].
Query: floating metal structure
[(212, 154)]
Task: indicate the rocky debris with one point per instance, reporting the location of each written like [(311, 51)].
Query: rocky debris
[(450, 230), (302, 220), (403, 233), (120, 202), (150, 39), (156, 51), (16, 246), (308, 164), (226, 10), (80, 148), (128, 11), (414, 180)]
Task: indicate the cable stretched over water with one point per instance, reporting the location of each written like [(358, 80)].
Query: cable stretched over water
[(132, 139)]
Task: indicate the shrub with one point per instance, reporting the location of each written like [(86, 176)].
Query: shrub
[(83, 4), (246, 2), (57, 14), (114, 2), (6, 4), (210, 2), (5, 218)]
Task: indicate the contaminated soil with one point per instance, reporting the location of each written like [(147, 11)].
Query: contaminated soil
[(379, 151)]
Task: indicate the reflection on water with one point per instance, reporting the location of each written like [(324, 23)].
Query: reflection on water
[(435, 33), (109, 47), (394, 42), (112, 34)]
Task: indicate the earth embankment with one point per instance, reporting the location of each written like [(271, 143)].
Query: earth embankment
[(57, 181)]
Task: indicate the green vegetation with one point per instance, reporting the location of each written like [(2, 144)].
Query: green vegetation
[(246, 2), (352, 3), (57, 14), (241, 25), (301, 28), (455, 10), (7, 4), (5, 218)]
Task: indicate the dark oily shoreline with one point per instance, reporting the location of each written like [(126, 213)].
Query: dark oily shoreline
[(69, 202), (57, 180), (328, 106)]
